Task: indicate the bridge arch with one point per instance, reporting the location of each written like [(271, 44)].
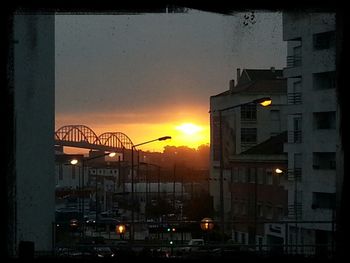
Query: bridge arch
[(82, 136), (77, 133), (115, 139)]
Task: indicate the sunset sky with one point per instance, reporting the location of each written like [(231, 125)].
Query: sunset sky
[(151, 75)]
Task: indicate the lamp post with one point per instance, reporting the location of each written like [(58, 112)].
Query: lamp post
[(265, 101), (158, 177), (132, 181), (83, 163), (120, 229)]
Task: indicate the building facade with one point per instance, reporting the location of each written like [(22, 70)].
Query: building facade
[(258, 194), (243, 127), (312, 126)]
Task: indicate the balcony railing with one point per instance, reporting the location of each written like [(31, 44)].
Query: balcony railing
[(294, 98), (294, 174), (293, 61), (295, 210), (294, 136)]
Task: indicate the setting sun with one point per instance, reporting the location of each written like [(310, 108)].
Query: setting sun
[(189, 128)]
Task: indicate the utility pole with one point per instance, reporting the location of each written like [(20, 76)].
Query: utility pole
[(174, 186)]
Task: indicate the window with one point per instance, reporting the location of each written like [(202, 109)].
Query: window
[(216, 138), (324, 80), (297, 171), (245, 175), (294, 96), (248, 135), (324, 120), (295, 59), (251, 174), (323, 40), (295, 135), (277, 178), (324, 160), (242, 175), (248, 112), (261, 177), (236, 236), (297, 56), (269, 176), (243, 238), (269, 212), (260, 210), (323, 200), (279, 212), (235, 175)]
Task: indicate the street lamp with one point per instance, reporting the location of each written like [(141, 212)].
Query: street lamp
[(265, 101), (278, 171), (83, 163), (132, 180), (120, 229)]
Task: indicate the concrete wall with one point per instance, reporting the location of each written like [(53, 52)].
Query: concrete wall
[(303, 26), (34, 82)]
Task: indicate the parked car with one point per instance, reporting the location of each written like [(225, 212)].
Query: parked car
[(194, 244), (103, 252), (66, 252)]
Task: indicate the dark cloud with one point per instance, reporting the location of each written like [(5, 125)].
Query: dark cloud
[(133, 63)]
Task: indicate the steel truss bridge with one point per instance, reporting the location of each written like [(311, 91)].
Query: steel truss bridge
[(81, 136)]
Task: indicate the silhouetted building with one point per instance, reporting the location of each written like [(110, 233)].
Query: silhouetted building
[(246, 126), (258, 194)]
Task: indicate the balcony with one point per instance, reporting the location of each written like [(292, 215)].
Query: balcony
[(295, 210), (293, 61), (294, 98), (294, 136), (294, 174), (293, 68)]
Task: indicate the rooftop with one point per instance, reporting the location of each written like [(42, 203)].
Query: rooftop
[(273, 145), (258, 81)]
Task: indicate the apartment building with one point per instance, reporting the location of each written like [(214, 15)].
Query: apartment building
[(243, 127), (312, 127), (258, 196)]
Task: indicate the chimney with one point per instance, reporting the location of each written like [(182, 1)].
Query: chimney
[(238, 74), (232, 84)]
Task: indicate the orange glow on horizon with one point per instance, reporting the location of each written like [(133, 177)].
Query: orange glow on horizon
[(189, 128), (191, 131)]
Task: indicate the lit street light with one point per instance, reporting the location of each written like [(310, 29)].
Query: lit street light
[(132, 180), (83, 163), (265, 101), (120, 229), (278, 171)]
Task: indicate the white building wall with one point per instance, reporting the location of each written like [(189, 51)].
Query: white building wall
[(34, 75), (68, 180), (302, 27)]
